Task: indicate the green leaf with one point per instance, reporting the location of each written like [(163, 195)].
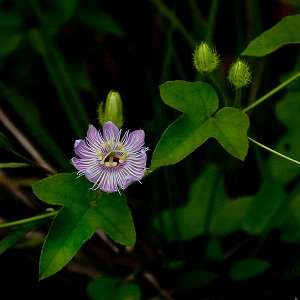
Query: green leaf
[(288, 112), (264, 206), (5, 143), (289, 223), (199, 122), (213, 250), (228, 216), (286, 31), (84, 210), (188, 221), (248, 268), (107, 288), (208, 208)]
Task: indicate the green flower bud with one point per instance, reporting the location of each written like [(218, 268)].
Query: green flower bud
[(205, 59), (239, 74), (112, 110)]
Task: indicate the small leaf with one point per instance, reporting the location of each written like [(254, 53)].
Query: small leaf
[(84, 210), (5, 143), (286, 31), (198, 102), (248, 268)]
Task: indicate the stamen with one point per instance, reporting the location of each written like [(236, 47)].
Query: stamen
[(116, 153)]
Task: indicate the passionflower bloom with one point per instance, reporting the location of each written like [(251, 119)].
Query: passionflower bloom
[(109, 161)]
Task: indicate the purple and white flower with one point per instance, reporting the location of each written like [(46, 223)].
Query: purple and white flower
[(109, 161)]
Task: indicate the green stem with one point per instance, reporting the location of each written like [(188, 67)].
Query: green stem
[(274, 152), (46, 169), (265, 97), (212, 20), (238, 97), (28, 220), (171, 16), (218, 89), (211, 204)]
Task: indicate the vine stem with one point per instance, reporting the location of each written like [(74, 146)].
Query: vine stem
[(275, 152), (28, 220), (171, 16), (272, 92)]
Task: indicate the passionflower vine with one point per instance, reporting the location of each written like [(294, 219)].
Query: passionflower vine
[(109, 160)]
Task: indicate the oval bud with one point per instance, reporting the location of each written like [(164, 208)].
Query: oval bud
[(239, 74), (112, 110), (205, 59)]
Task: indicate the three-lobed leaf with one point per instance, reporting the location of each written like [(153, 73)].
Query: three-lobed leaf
[(200, 121), (84, 210)]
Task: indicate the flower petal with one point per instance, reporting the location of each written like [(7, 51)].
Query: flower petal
[(81, 149), (135, 140), (110, 131)]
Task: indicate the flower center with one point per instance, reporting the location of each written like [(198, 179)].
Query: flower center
[(116, 154)]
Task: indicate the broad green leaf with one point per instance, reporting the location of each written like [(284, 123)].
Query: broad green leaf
[(208, 208), (199, 122), (286, 31), (248, 268), (5, 143), (108, 288), (229, 217), (288, 112), (264, 206), (14, 165), (83, 211)]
